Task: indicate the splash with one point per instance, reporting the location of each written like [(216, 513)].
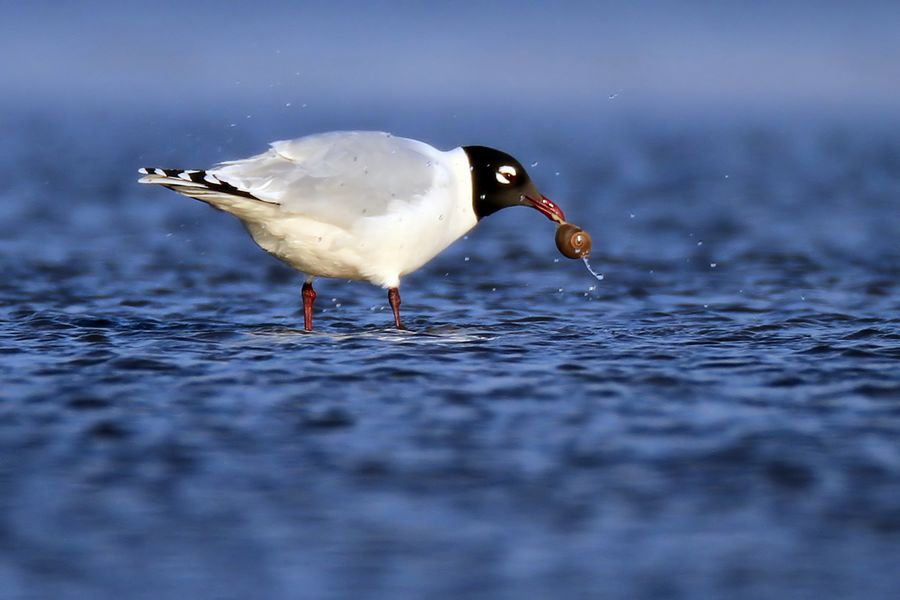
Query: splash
[(599, 276)]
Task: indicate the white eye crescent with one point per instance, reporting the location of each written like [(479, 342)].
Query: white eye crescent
[(505, 173)]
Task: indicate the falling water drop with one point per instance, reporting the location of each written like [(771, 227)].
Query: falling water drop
[(599, 276)]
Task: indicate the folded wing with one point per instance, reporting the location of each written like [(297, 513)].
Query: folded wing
[(339, 177)]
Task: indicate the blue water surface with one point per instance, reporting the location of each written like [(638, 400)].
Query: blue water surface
[(718, 417)]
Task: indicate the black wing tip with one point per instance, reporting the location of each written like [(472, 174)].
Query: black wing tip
[(210, 182), (195, 175)]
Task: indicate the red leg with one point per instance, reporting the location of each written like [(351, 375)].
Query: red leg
[(394, 299), (309, 297)]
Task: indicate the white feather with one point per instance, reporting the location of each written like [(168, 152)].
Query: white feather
[(353, 205), (174, 181)]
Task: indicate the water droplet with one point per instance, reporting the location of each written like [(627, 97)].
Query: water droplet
[(556, 260), (559, 290), (713, 265), (467, 259), (288, 104), (534, 164), (630, 215), (699, 243), (441, 218), (557, 173), (587, 265)]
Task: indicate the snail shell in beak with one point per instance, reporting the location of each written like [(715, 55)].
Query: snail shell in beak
[(573, 241)]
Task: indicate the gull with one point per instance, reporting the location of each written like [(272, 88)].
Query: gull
[(360, 205)]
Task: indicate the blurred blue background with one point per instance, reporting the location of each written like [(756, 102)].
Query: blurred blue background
[(596, 58), (718, 417)]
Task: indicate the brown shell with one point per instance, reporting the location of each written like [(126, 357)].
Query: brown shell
[(573, 241)]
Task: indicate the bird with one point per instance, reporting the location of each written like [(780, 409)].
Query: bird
[(359, 205)]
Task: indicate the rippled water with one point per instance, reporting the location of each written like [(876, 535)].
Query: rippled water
[(719, 416)]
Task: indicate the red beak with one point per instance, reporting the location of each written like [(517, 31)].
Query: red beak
[(548, 208)]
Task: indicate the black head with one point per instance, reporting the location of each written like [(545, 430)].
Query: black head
[(500, 181)]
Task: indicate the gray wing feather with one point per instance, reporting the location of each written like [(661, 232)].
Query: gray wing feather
[(341, 176)]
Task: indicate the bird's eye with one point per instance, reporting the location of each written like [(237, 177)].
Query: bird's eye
[(506, 174)]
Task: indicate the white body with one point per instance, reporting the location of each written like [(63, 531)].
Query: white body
[(352, 205)]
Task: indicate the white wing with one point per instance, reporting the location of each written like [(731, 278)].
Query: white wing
[(340, 177)]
